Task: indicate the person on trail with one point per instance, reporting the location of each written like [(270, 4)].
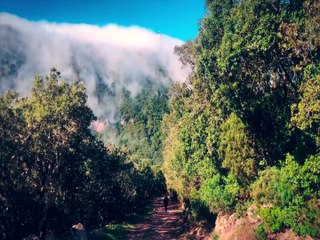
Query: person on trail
[(166, 203)]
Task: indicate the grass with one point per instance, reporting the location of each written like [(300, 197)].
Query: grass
[(119, 231), (110, 232)]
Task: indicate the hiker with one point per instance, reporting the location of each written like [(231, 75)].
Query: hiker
[(165, 202)]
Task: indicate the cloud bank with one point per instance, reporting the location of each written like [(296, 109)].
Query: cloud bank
[(109, 58)]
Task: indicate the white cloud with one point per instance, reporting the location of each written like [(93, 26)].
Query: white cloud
[(120, 57)]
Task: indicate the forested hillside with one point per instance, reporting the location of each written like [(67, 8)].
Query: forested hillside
[(244, 130), (140, 125)]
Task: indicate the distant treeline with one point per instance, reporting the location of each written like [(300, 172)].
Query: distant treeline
[(140, 128), (245, 129)]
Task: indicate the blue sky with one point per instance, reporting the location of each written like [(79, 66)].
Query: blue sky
[(176, 18)]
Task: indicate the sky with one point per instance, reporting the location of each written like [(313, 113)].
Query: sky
[(111, 45), (176, 18)]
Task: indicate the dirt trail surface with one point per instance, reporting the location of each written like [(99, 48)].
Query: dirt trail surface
[(159, 225)]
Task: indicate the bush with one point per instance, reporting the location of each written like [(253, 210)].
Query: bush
[(219, 193), (260, 232), (273, 218), (241, 208), (287, 196)]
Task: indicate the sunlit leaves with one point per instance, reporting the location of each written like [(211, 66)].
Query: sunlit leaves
[(306, 114), (236, 148), (253, 97), (54, 173), (287, 196)]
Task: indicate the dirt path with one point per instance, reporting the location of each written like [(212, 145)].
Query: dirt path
[(160, 225)]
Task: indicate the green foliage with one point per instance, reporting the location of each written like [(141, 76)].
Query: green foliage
[(306, 113), (288, 196), (54, 173), (52, 138), (273, 218), (251, 99), (260, 232), (264, 190), (116, 231), (141, 118), (242, 207), (215, 236), (237, 150), (219, 193), (110, 232), (302, 220)]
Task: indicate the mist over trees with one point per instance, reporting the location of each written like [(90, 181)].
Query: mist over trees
[(107, 59), (242, 131), (140, 129), (54, 171)]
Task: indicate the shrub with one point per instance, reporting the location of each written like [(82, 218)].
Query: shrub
[(287, 196), (219, 193), (260, 232)]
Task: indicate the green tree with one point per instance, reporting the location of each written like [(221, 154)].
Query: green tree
[(14, 190), (287, 196), (238, 153), (252, 98), (57, 121), (141, 118), (54, 172), (306, 113)]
